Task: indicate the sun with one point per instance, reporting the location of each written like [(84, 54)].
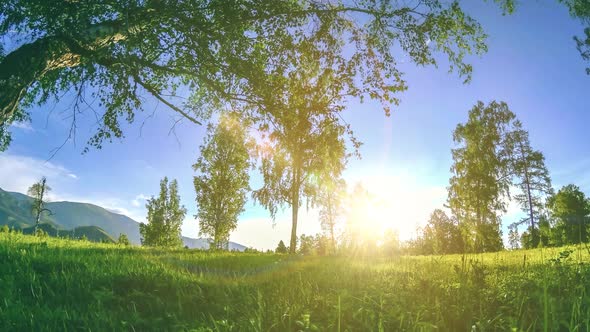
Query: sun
[(383, 203)]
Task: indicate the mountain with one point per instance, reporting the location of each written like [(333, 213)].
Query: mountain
[(15, 211)]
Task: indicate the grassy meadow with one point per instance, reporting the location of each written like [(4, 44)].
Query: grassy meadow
[(58, 284)]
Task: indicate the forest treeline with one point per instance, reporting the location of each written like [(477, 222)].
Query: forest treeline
[(494, 164)]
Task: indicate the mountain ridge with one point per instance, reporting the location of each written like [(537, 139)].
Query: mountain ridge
[(15, 212)]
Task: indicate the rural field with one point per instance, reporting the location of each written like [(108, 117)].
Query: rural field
[(294, 165), (56, 284)]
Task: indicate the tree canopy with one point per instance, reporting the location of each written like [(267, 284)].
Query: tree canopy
[(118, 52), (570, 210)]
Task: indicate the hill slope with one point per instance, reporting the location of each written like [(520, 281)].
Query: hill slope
[(92, 233), (15, 211)]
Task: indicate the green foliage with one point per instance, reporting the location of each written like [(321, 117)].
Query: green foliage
[(303, 141), (281, 248), (66, 284), (581, 9), (222, 184), (481, 175), (514, 239), (441, 235), (307, 245), (570, 210), (165, 215), (40, 233), (224, 52), (123, 240)]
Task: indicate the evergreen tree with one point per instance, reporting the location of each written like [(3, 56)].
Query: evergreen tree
[(222, 184), (38, 191), (513, 237), (481, 175), (281, 248), (165, 215), (532, 179)]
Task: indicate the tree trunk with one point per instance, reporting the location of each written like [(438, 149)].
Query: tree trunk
[(294, 207), (332, 238), (37, 221), (529, 196), (294, 213)]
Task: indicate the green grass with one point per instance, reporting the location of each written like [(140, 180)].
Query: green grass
[(56, 284)]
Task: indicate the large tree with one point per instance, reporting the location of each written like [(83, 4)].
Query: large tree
[(222, 51), (303, 139), (570, 210), (38, 191), (165, 215), (222, 184), (531, 178), (481, 175)]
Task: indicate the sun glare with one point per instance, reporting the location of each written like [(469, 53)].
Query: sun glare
[(397, 203)]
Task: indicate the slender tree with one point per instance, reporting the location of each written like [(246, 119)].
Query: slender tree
[(165, 215), (332, 194), (223, 51), (481, 175), (513, 236), (38, 191), (222, 183), (531, 178)]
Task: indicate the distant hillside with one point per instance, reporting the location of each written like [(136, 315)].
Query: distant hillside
[(15, 211), (92, 233)]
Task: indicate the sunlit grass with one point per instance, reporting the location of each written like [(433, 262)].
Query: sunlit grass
[(55, 284)]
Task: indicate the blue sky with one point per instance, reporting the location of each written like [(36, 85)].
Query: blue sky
[(532, 64)]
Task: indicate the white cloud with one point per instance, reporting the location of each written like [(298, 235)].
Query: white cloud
[(18, 173), (139, 200), (25, 126)]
